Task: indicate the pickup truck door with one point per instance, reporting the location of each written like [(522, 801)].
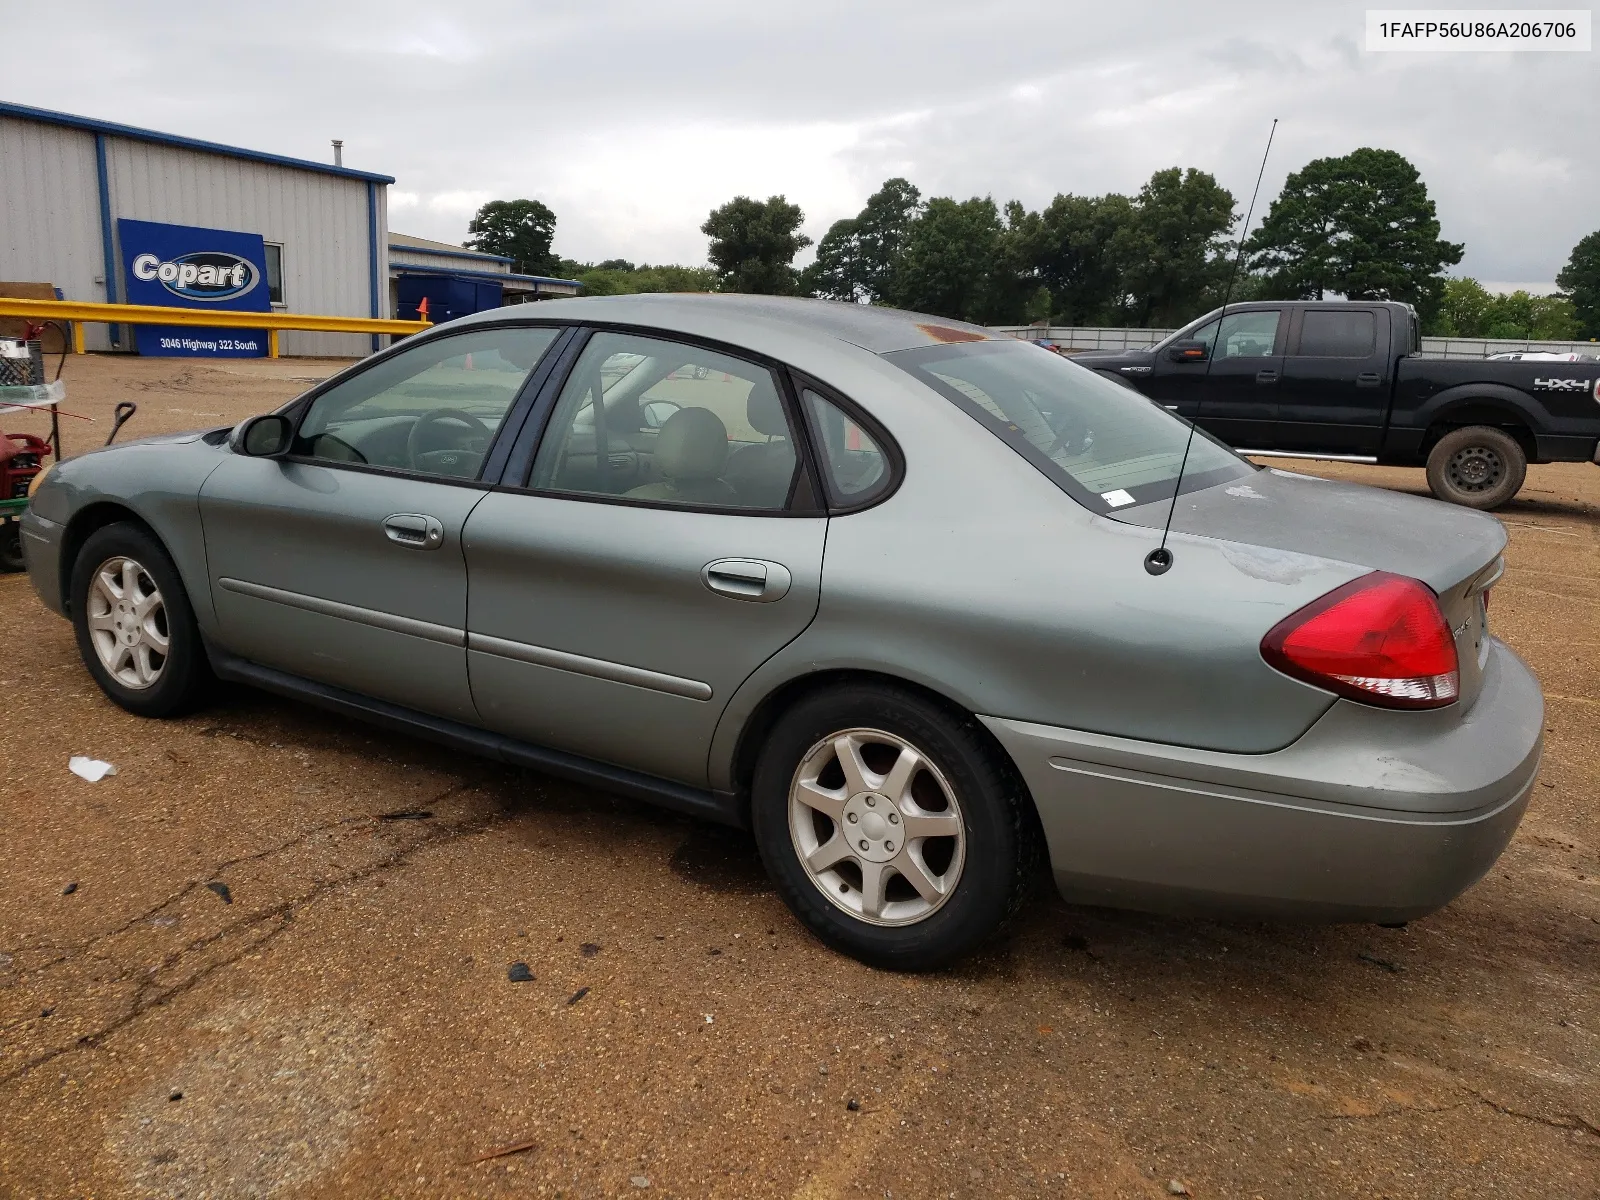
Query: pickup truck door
[(1234, 395), (1336, 381)]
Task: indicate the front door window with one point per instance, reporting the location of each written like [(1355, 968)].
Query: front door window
[(432, 409)]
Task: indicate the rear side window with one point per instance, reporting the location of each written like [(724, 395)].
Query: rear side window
[(855, 469), (1337, 335)]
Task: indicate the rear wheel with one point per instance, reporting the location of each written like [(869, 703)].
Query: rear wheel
[(136, 632), (1479, 466), (892, 828)]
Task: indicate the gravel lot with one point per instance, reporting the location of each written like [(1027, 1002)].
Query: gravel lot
[(270, 955)]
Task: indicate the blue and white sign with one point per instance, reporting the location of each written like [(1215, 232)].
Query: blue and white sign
[(182, 266)]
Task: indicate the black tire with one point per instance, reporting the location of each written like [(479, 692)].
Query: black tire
[(996, 817), (184, 674), (1479, 467), (11, 559)]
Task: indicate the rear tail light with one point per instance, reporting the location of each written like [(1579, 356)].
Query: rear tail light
[(1380, 639)]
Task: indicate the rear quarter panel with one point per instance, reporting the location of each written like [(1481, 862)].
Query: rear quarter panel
[(983, 582)]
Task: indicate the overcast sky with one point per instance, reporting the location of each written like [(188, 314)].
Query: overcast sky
[(632, 120)]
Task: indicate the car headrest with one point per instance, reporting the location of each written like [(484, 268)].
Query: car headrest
[(764, 410), (692, 445)]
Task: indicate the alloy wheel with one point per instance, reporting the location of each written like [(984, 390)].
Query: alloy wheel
[(877, 827), (127, 621)]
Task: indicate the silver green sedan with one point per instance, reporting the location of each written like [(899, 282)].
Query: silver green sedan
[(874, 585)]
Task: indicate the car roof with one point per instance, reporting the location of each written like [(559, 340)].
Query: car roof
[(879, 330)]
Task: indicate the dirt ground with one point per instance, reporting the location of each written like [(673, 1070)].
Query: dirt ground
[(270, 956)]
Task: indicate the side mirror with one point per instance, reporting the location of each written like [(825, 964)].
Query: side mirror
[(1188, 352), (262, 437)]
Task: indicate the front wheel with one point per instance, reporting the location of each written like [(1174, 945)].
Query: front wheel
[(136, 632), (893, 829), (1479, 466)]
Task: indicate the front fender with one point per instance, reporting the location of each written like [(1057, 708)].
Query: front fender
[(158, 483)]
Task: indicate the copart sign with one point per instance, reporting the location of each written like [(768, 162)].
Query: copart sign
[(185, 266)]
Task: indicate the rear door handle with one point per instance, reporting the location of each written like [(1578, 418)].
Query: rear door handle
[(753, 579), (414, 531), (1368, 379), (1268, 376)]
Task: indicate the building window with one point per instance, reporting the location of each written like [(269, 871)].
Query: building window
[(274, 272)]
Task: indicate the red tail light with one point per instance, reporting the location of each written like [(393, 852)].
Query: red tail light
[(1380, 639)]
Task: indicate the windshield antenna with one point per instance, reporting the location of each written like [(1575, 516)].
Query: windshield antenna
[(1159, 560)]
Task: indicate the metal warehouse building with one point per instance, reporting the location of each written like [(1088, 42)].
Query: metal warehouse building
[(104, 212), (67, 182)]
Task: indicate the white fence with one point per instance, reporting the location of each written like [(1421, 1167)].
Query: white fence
[(1071, 338)]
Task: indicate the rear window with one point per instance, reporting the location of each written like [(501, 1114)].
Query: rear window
[(1337, 335), (1105, 445)]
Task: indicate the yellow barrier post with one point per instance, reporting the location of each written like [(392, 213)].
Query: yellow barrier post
[(272, 343)]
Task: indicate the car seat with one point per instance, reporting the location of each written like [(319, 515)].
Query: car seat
[(690, 452), (762, 472)]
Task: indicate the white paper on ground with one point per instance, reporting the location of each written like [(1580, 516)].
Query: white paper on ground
[(91, 769)]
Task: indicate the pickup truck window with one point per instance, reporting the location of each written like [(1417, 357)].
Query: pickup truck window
[(1244, 335), (1345, 334), (1096, 440)]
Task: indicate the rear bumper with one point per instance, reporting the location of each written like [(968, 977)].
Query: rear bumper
[(1370, 816), (41, 550)]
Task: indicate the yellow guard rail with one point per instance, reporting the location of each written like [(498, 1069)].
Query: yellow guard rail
[(77, 313)]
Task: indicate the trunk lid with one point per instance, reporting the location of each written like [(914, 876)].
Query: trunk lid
[(1455, 551)]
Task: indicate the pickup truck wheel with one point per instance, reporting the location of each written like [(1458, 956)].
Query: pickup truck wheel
[(1480, 467)]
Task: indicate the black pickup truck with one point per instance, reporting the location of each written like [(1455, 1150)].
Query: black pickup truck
[(1346, 380)]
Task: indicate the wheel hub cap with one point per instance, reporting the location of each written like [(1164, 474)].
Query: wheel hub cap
[(877, 827), (127, 619), (1475, 468)]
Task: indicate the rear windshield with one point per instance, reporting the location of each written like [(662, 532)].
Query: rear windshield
[(1105, 445)]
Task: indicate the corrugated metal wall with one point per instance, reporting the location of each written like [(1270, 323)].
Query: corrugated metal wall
[(50, 212), (321, 221), (50, 220)]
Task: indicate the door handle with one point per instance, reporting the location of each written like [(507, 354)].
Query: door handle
[(1368, 379), (1267, 376), (752, 579), (414, 531)]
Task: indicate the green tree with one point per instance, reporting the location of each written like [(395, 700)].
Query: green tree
[(1360, 226), (857, 257), (1174, 252), (608, 279), (1580, 280), (1463, 309), (1468, 309), (522, 230), (1070, 244), (948, 260), (753, 244)]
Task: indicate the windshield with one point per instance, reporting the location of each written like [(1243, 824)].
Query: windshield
[(1105, 445)]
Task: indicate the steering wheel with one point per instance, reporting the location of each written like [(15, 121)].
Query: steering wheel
[(460, 463)]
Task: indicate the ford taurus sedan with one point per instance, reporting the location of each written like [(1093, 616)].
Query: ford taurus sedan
[(871, 584)]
